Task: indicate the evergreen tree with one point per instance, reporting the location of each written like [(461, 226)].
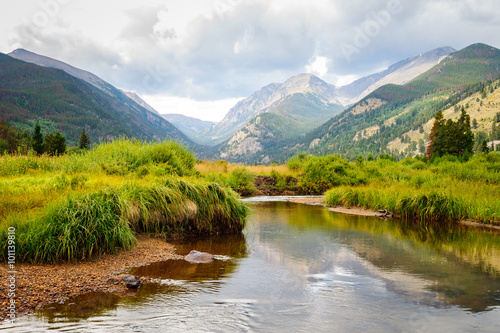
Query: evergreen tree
[(465, 136), (453, 138), (8, 138), (84, 142), (38, 140), (484, 147), (55, 144), (436, 136)]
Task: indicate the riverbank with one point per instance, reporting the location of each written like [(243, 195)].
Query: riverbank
[(40, 285)]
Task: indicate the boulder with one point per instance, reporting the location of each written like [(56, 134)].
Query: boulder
[(198, 257), (130, 281)]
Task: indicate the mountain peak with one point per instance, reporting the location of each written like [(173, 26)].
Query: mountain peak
[(477, 50)]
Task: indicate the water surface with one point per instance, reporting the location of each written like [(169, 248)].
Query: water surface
[(301, 268)]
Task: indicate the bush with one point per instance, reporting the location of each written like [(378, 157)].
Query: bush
[(241, 180)]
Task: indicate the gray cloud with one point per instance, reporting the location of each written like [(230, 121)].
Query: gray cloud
[(252, 43)]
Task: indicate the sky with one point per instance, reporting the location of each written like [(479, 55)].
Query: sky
[(199, 57)]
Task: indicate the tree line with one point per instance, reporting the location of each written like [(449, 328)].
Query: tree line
[(54, 144)]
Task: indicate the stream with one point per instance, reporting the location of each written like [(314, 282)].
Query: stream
[(303, 268)]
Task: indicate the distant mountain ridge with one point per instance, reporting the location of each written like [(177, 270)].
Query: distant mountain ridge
[(399, 73), (188, 125), (404, 113), (136, 98), (40, 60), (269, 99), (37, 59)]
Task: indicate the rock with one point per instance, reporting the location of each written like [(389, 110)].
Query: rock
[(198, 257), (130, 281)]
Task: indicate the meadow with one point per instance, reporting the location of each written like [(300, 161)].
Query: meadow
[(442, 190), (87, 203), (77, 206)]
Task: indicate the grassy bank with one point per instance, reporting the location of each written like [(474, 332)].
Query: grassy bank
[(74, 207), (445, 190)]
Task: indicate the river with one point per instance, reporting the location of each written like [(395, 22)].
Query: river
[(303, 268)]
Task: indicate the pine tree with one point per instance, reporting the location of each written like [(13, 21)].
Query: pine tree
[(466, 137), (84, 142), (435, 144), (55, 144), (37, 145), (452, 138), (484, 147)]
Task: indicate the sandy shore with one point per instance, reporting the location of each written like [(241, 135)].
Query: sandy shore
[(39, 285), (344, 210)]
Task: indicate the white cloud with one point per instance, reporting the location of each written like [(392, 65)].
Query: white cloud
[(318, 66), (219, 49), (205, 110)]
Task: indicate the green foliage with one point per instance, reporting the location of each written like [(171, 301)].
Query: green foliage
[(55, 144), (9, 140), (484, 147), (448, 189), (38, 145), (241, 180), (105, 221), (84, 141), (321, 173), (69, 208), (120, 157), (450, 138), (297, 161)]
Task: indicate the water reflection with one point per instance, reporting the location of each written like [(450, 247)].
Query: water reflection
[(81, 307), (227, 249), (449, 265), (303, 268)]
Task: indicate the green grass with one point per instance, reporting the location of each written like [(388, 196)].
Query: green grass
[(445, 190), (75, 207)]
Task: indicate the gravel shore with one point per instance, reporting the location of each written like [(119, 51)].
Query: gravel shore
[(39, 285)]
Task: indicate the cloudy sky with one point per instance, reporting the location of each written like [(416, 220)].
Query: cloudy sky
[(199, 57)]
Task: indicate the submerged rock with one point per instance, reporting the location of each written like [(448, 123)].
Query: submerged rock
[(198, 257), (130, 281)]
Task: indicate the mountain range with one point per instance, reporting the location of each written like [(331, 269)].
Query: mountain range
[(188, 125), (63, 98), (386, 112)]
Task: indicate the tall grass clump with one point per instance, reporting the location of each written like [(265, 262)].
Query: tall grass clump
[(78, 228), (119, 157), (241, 180), (108, 220), (433, 206), (123, 156)]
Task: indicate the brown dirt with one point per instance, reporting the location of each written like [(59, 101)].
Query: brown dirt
[(477, 224), (309, 201), (39, 285), (356, 211)]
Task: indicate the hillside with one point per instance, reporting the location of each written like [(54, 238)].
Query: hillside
[(40, 60), (286, 120), (399, 73), (391, 111), (136, 98), (188, 125), (62, 102), (277, 98)]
